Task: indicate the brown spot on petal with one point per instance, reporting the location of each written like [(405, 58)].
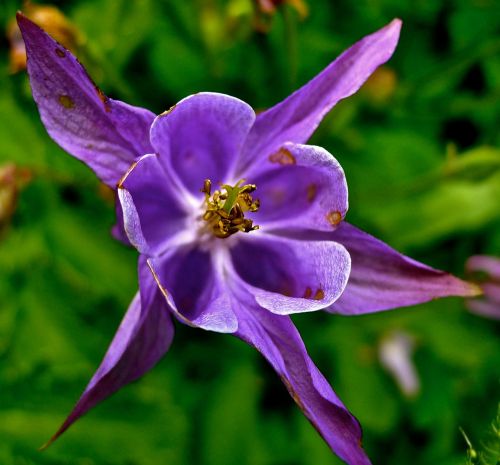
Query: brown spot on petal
[(278, 196), (286, 289), (66, 101), (60, 53), (312, 191), (334, 217), (320, 295), (103, 98), (283, 157)]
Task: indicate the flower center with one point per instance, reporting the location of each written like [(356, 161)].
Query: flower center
[(226, 208)]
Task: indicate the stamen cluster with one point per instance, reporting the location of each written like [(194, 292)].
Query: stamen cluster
[(226, 208)]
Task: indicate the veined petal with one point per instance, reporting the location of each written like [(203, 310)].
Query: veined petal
[(288, 276), (277, 339), (105, 134), (382, 278), (194, 289), (300, 187), (152, 210), (297, 117), (144, 336), (201, 137)]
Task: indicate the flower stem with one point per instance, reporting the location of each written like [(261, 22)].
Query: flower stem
[(489, 454)]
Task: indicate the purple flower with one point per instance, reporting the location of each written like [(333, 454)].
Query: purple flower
[(489, 267), (238, 224)]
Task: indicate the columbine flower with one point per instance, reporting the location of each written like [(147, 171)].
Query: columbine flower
[(238, 223), (489, 267)]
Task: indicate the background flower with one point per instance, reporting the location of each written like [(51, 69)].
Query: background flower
[(486, 270)]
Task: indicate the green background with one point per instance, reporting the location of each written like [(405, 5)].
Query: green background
[(423, 167)]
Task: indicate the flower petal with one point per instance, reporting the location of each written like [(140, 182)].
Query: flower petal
[(118, 229), (485, 307), (300, 187), (201, 137), (144, 336), (382, 278), (484, 263), (296, 118), (194, 289), (277, 339), (105, 134), (152, 210), (288, 276), (489, 304)]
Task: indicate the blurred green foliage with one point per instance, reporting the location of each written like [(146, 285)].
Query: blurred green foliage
[(419, 145)]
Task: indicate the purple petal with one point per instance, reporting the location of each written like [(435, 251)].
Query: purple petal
[(491, 290), (300, 187), (152, 210), (485, 263), (118, 229), (489, 304), (144, 336), (105, 134), (296, 118), (382, 278), (200, 138), (288, 276), (277, 339), (194, 289), (485, 307)]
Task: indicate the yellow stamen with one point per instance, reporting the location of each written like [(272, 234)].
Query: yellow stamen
[(226, 208)]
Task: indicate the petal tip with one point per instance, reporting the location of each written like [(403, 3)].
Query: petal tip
[(46, 445), (474, 290), (51, 440), (394, 28), (24, 22), (20, 17), (463, 288), (396, 23)]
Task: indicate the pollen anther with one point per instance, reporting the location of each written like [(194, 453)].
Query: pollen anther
[(226, 208)]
